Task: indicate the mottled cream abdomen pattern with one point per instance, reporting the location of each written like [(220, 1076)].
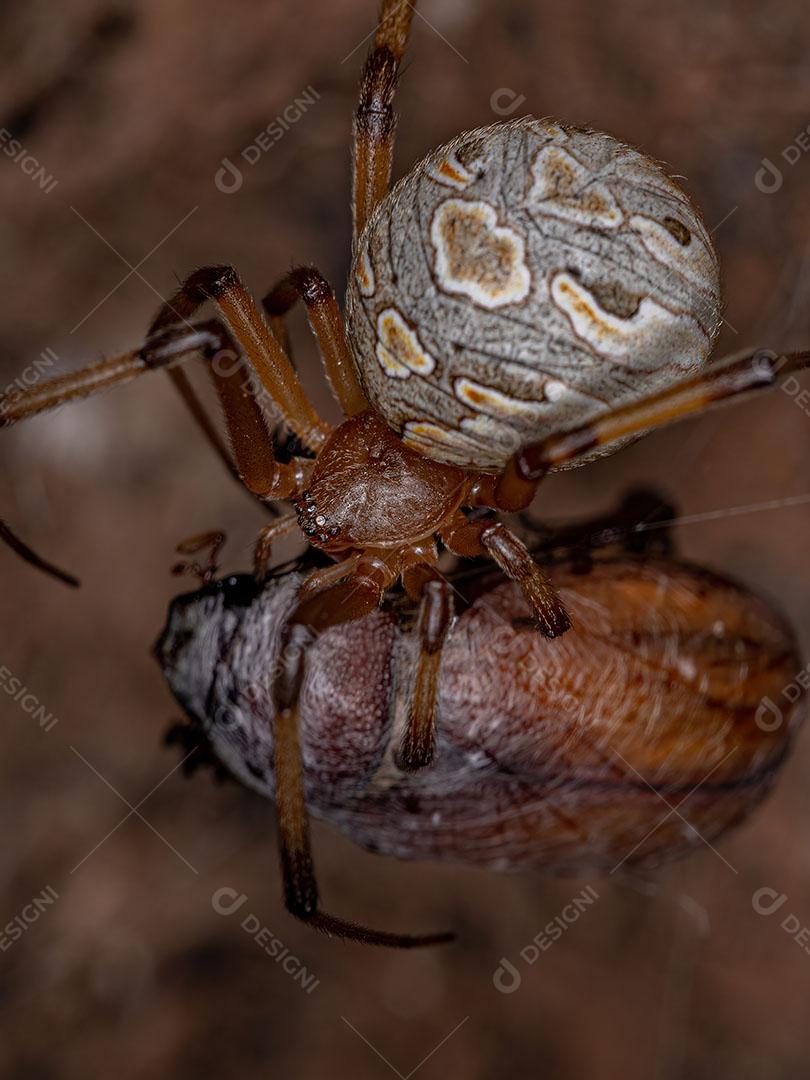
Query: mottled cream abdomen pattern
[(521, 280)]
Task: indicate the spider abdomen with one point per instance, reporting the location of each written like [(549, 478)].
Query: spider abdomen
[(522, 279)]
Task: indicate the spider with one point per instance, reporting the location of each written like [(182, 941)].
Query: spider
[(530, 296)]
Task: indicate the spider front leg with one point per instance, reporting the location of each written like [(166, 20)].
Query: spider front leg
[(252, 444), (251, 441), (244, 320), (308, 284), (300, 886), (256, 464), (250, 438), (374, 120), (472, 539), (17, 405)]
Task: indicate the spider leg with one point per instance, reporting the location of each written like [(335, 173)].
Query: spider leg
[(758, 371), (199, 414), (436, 611), (256, 464), (300, 886), (419, 564), (16, 405), (374, 119), (471, 539), (277, 318), (308, 284), (253, 336), (182, 307), (30, 556), (251, 440), (423, 583), (351, 589), (20, 405)]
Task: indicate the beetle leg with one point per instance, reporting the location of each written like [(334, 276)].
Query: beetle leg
[(471, 539), (264, 542), (192, 545), (300, 886)]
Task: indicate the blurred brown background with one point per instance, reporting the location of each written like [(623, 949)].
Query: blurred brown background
[(131, 108)]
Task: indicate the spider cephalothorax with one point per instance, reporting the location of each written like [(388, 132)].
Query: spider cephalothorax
[(528, 297), (369, 490)]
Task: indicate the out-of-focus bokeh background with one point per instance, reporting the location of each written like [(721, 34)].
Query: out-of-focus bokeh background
[(130, 108)]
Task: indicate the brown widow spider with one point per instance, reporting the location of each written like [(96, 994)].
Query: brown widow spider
[(530, 296)]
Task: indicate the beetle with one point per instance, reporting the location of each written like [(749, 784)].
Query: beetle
[(530, 296), (552, 755)]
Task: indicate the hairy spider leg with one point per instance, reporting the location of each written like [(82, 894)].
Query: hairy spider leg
[(759, 370), (374, 125), (306, 283), (300, 886)]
